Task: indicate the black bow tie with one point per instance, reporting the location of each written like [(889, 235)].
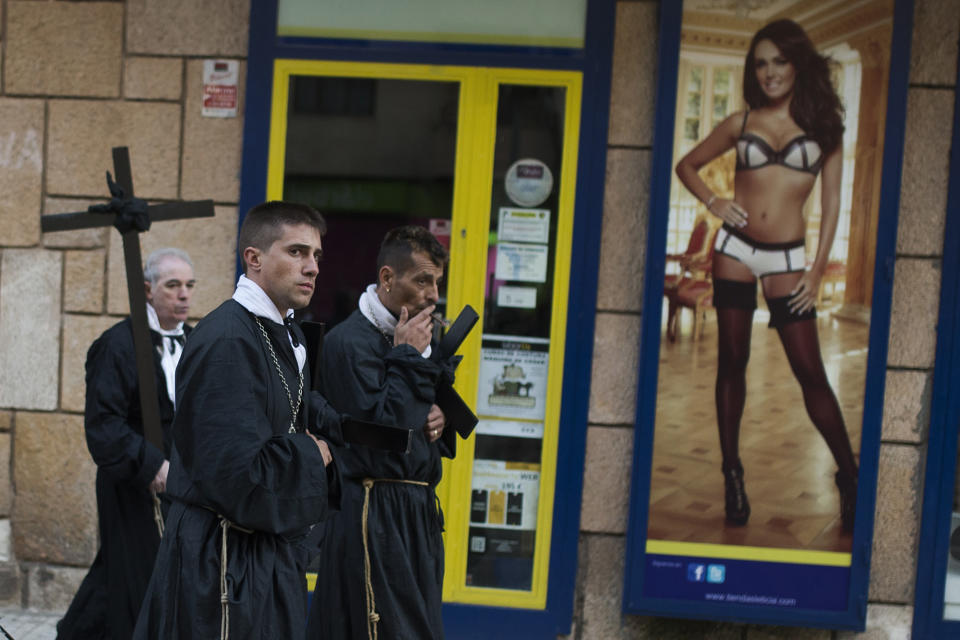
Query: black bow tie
[(288, 323), (173, 340)]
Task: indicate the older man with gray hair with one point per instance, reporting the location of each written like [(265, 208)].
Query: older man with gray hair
[(129, 468)]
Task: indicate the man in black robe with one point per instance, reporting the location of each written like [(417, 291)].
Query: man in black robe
[(129, 467), (248, 479), (381, 565)]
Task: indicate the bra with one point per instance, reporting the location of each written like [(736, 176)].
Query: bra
[(802, 153)]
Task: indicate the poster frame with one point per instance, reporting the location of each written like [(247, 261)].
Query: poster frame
[(854, 616)]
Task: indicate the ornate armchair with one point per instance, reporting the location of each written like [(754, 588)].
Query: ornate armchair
[(693, 256), (696, 295), (692, 287)]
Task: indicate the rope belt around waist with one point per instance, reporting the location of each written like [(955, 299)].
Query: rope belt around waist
[(225, 525), (372, 616), (157, 513)]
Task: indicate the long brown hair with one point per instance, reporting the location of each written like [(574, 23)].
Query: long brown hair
[(815, 105)]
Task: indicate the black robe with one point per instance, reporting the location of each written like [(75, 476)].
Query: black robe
[(233, 456), (364, 376), (108, 600)]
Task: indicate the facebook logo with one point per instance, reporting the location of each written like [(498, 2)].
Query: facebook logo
[(716, 573), (696, 572)]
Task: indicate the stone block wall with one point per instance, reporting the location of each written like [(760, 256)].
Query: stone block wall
[(907, 397), (77, 78)]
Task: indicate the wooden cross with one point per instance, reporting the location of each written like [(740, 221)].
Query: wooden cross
[(146, 377)]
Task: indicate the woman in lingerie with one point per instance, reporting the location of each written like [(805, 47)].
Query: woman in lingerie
[(791, 131)]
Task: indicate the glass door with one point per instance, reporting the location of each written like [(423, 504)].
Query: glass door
[(486, 159), (371, 153), (508, 485)]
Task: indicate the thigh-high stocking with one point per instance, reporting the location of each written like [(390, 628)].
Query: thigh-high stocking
[(734, 327), (802, 346)]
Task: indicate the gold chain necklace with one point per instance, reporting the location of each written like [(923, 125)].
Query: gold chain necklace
[(294, 410)]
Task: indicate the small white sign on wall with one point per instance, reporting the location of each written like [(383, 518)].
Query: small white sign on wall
[(221, 94), (524, 262), (517, 297)]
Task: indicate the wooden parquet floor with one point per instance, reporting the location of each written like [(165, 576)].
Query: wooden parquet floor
[(788, 468)]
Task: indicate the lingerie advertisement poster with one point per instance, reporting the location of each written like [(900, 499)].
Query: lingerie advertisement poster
[(751, 416)]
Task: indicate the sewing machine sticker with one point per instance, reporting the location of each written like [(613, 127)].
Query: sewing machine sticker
[(513, 377)]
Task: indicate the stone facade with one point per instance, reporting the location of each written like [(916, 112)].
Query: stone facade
[(624, 234), (150, 129), (149, 78), (31, 349), (80, 77), (21, 170), (77, 79), (54, 511), (83, 281), (187, 27), (86, 58)]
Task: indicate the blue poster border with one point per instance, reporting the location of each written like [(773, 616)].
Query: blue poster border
[(941, 466), (853, 616)]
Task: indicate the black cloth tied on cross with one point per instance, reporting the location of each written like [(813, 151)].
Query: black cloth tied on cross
[(131, 213)]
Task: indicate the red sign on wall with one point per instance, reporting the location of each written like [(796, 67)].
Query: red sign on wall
[(220, 92)]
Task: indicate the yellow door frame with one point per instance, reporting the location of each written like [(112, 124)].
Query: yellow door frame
[(470, 222)]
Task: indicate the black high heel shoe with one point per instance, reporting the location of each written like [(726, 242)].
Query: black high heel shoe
[(735, 497), (848, 500)]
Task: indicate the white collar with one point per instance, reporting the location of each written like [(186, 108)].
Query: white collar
[(373, 310), (379, 316), (168, 358), (255, 300), (154, 323)]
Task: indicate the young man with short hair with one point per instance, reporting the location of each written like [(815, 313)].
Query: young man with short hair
[(249, 476)]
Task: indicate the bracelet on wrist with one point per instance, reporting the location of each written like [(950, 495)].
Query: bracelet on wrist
[(710, 201)]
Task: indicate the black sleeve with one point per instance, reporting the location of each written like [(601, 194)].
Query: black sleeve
[(269, 482), (397, 389), (117, 447), (323, 420)]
